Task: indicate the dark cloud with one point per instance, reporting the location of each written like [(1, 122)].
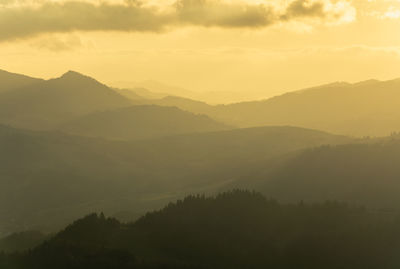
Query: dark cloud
[(214, 13), (70, 16), (52, 17), (302, 8)]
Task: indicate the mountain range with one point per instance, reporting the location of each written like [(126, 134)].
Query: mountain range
[(368, 108), (83, 105), (72, 145)]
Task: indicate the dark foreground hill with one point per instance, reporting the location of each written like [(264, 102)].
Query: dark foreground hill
[(47, 178), (237, 229)]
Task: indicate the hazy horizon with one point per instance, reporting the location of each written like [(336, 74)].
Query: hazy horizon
[(225, 97), (263, 48)]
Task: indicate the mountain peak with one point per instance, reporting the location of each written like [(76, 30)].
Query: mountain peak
[(71, 73), (76, 77)]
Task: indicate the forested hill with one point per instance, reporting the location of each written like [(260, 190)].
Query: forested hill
[(359, 173), (237, 229)]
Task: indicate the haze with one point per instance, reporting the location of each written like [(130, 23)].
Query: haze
[(254, 48)]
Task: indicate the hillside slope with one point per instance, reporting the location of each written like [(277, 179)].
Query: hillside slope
[(366, 108), (363, 174), (10, 81), (141, 122), (45, 104)]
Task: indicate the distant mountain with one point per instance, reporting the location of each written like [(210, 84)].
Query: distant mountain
[(141, 96), (236, 229), (49, 178), (156, 90), (368, 108), (10, 81), (129, 94), (142, 122), (365, 108), (164, 89), (47, 103), (145, 93), (186, 104)]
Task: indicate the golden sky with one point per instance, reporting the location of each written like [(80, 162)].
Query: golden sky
[(256, 47)]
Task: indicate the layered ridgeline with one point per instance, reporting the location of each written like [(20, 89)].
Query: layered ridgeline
[(49, 178), (237, 229), (368, 108), (82, 105)]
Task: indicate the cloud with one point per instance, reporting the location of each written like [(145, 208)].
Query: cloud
[(332, 12), (215, 13), (24, 20), (301, 8)]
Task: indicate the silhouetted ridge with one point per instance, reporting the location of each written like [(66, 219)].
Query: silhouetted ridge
[(337, 84), (72, 74), (80, 80), (367, 82), (75, 77)]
